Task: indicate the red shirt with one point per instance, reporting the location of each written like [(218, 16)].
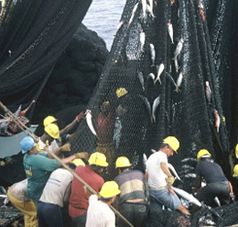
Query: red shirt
[(105, 127), (78, 201)]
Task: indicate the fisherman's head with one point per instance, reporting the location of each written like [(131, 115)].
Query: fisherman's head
[(49, 120), (203, 153), (105, 107), (122, 163), (52, 131), (27, 145), (109, 191), (170, 145), (98, 162)]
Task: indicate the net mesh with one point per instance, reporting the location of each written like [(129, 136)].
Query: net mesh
[(141, 49), (33, 36)]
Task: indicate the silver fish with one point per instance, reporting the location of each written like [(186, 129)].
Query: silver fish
[(9, 53), (3, 196), (152, 76), (179, 81), (178, 49), (170, 31), (141, 79), (171, 78), (144, 160), (154, 107), (144, 6), (149, 9), (187, 196), (217, 201), (217, 120), (208, 91), (147, 104), (88, 117), (142, 41), (177, 52), (160, 69), (120, 25), (152, 53), (174, 171), (176, 65), (133, 13)]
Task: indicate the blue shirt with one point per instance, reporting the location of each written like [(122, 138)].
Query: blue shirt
[(38, 168)]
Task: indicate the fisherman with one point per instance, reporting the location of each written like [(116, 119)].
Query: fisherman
[(68, 128), (16, 194), (217, 184), (121, 109), (51, 129), (56, 194), (99, 212), (160, 180), (134, 194), (105, 128), (37, 166), (78, 201)]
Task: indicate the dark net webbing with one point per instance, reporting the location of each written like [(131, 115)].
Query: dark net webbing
[(188, 113), (33, 36)]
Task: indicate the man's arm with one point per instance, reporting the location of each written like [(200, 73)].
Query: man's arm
[(170, 179), (71, 125)]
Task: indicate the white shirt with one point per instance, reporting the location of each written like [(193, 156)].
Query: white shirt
[(99, 214), (156, 176), (57, 188)]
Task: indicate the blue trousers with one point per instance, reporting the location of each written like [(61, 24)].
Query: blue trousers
[(49, 215)]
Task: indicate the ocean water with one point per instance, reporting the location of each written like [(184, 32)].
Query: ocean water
[(103, 17)]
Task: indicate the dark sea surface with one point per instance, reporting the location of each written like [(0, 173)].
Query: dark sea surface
[(103, 17)]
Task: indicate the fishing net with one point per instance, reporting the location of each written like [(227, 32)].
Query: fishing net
[(33, 34), (185, 100), (157, 84)]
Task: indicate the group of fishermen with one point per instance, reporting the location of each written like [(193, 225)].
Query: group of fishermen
[(52, 195), (47, 189)]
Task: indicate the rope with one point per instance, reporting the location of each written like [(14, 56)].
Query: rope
[(30, 133)]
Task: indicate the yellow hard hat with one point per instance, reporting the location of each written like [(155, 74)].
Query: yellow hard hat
[(235, 171), (78, 162), (236, 151), (98, 159), (109, 189), (53, 131), (122, 162), (173, 142), (203, 153), (121, 92), (49, 120)]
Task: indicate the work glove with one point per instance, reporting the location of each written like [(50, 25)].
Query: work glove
[(170, 180), (66, 147), (82, 155)]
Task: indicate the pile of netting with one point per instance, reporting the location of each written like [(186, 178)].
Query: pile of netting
[(33, 34)]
